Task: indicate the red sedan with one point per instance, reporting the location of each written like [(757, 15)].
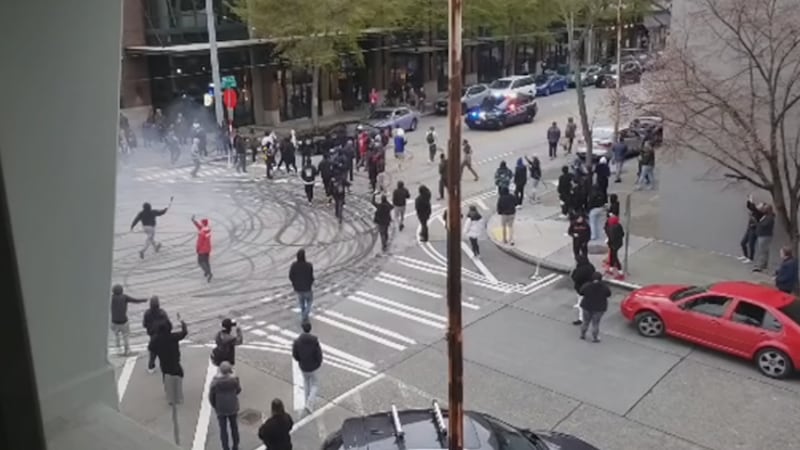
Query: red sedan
[(748, 320)]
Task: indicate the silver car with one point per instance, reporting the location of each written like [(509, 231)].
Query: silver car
[(392, 117), (471, 97)]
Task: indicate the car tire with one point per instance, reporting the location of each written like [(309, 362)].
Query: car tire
[(529, 118), (413, 125), (650, 324), (774, 363)]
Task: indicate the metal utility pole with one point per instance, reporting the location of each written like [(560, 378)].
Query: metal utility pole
[(618, 93), (211, 22), (455, 342)]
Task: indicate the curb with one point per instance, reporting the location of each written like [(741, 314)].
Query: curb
[(558, 267)]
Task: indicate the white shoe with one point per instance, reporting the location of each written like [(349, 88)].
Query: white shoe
[(151, 371)]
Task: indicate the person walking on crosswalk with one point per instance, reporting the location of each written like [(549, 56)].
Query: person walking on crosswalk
[(203, 246), (473, 229), (383, 219), (301, 274), (307, 352), (119, 317), (147, 216), (422, 206), (466, 161), (399, 198), (223, 394), (153, 318), (275, 433), (195, 156)]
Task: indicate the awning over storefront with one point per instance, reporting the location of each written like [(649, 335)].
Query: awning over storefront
[(194, 48)]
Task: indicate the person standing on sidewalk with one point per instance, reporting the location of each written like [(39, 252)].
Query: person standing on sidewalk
[(594, 304), (580, 233), (301, 274), (119, 317), (597, 210), (473, 229), (565, 191), (748, 242), (383, 219), (308, 354), (616, 237), (430, 138), (569, 133), (203, 246), (503, 177), (764, 231), (603, 173), (466, 162), (520, 180), (507, 209), (153, 318), (535, 169), (147, 216), (223, 394), (309, 177), (581, 274), (422, 206), (241, 153), (442, 175), (166, 346), (553, 136), (225, 343), (275, 433), (619, 150), (786, 275), (400, 197)]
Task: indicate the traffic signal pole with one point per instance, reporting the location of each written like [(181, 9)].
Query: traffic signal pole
[(455, 340), (211, 22)]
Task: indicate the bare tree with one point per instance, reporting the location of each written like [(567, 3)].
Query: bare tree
[(742, 114)]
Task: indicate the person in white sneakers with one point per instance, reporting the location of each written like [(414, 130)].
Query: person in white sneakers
[(473, 229), (581, 274)]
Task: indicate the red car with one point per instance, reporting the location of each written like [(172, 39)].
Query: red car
[(744, 319)]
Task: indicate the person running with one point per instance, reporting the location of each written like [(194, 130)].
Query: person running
[(594, 304), (473, 229), (383, 219), (535, 170), (442, 175), (308, 354), (147, 216), (615, 240), (580, 233), (569, 134), (507, 209), (581, 274), (309, 177), (553, 136), (399, 146), (422, 206), (400, 197), (466, 161), (153, 318), (520, 180), (166, 346), (503, 177), (223, 394), (275, 432), (430, 138), (301, 274), (225, 343), (119, 318), (203, 246)]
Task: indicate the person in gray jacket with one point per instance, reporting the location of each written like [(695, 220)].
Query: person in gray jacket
[(223, 395), (119, 316), (765, 228)]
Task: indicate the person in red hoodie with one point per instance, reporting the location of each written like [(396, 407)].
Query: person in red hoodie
[(203, 246), (363, 146), (616, 237)]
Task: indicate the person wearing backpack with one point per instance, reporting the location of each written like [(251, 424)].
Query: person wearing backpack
[(226, 341), (430, 138)]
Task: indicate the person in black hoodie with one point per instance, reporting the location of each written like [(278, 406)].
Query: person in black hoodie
[(241, 153), (340, 186), (308, 354), (581, 274), (507, 209), (119, 317), (148, 218), (309, 177), (764, 231), (613, 205), (383, 219), (535, 168), (325, 170), (594, 304), (275, 433), (616, 237), (565, 191), (399, 198), (301, 274), (153, 318), (442, 175), (748, 242), (225, 342), (579, 231), (166, 345), (603, 173), (520, 179), (422, 205)]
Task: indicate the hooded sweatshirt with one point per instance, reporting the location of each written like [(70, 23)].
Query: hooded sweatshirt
[(203, 237), (503, 175), (422, 205), (119, 305), (520, 173), (582, 273), (301, 273), (154, 316), (148, 216)]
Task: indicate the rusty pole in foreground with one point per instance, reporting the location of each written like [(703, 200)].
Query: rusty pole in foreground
[(454, 332)]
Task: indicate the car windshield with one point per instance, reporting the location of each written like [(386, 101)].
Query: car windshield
[(510, 438), (381, 114), (686, 292), (500, 84), (602, 134), (492, 101), (541, 79), (792, 311)]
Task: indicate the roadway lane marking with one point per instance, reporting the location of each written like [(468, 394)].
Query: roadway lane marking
[(330, 359), (398, 311), (479, 264), (261, 333), (482, 204), (204, 416), (327, 348), (543, 285), (356, 331), (402, 306), (369, 326), (442, 267), (125, 377), (283, 350), (416, 290), (298, 387)]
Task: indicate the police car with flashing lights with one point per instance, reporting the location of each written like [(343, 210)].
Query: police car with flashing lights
[(416, 429), (499, 111)]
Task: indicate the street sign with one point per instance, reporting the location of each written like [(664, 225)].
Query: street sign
[(228, 82), (230, 98)]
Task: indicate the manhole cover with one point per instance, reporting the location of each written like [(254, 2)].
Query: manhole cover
[(250, 417)]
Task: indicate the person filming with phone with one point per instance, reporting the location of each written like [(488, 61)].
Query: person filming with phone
[(226, 341)]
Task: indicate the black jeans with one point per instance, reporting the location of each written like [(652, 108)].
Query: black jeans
[(241, 162), (442, 187), (613, 258), (552, 149), (473, 243), (383, 231), (570, 140), (432, 152), (519, 193), (151, 361), (338, 207), (223, 431), (309, 192), (269, 162), (565, 204), (580, 248), (423, 231), (749, 243), (203, 260)]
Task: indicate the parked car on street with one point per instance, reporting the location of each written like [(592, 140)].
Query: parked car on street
[(603, 140), (324, 139), (744, 319), (498, 112), (631, 73), (651, 126), (394, 116), (427, 429), (588, 76), (549, 83), (517, 84), (471, 97)]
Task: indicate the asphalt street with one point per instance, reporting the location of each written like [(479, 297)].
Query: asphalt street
[(381, 317)]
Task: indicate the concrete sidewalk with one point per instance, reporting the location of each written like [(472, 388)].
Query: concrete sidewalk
[(540, 236)]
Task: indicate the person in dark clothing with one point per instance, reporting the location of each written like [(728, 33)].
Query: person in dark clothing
[(383, 219), (288, 158), (254, 143), (325, 170), (442, 175), (581, 274), (553, 136), (340, 187), (580, 233), (616, 237), (580, 193), (223, 394), (153, 318), (565, 190), (301, 274), (613, 205), (422, 206), (225, 343), (602, 172), (473, 229), (147, 216), (764, 231), (535, 168), (240, 146), (748, 242), (309, 177), (308, 354), (786, 275), (594, 304), (597, 204), (507, 210), (166, 345), (399, 198), (520, 180), (119, 317), (349, 153), (275, 433)]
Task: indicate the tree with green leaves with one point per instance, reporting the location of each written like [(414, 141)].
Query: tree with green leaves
[(519, 21), (313, 34)]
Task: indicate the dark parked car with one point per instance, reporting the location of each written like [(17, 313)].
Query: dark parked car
[(427, 429), (497, 112), (324, 139), (631, 73)]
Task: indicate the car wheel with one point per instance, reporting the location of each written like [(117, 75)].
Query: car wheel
[(649, 324), (529, 118), (413, 125), (774, 363)]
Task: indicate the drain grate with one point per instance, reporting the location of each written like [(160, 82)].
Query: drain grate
[(250, 417)]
